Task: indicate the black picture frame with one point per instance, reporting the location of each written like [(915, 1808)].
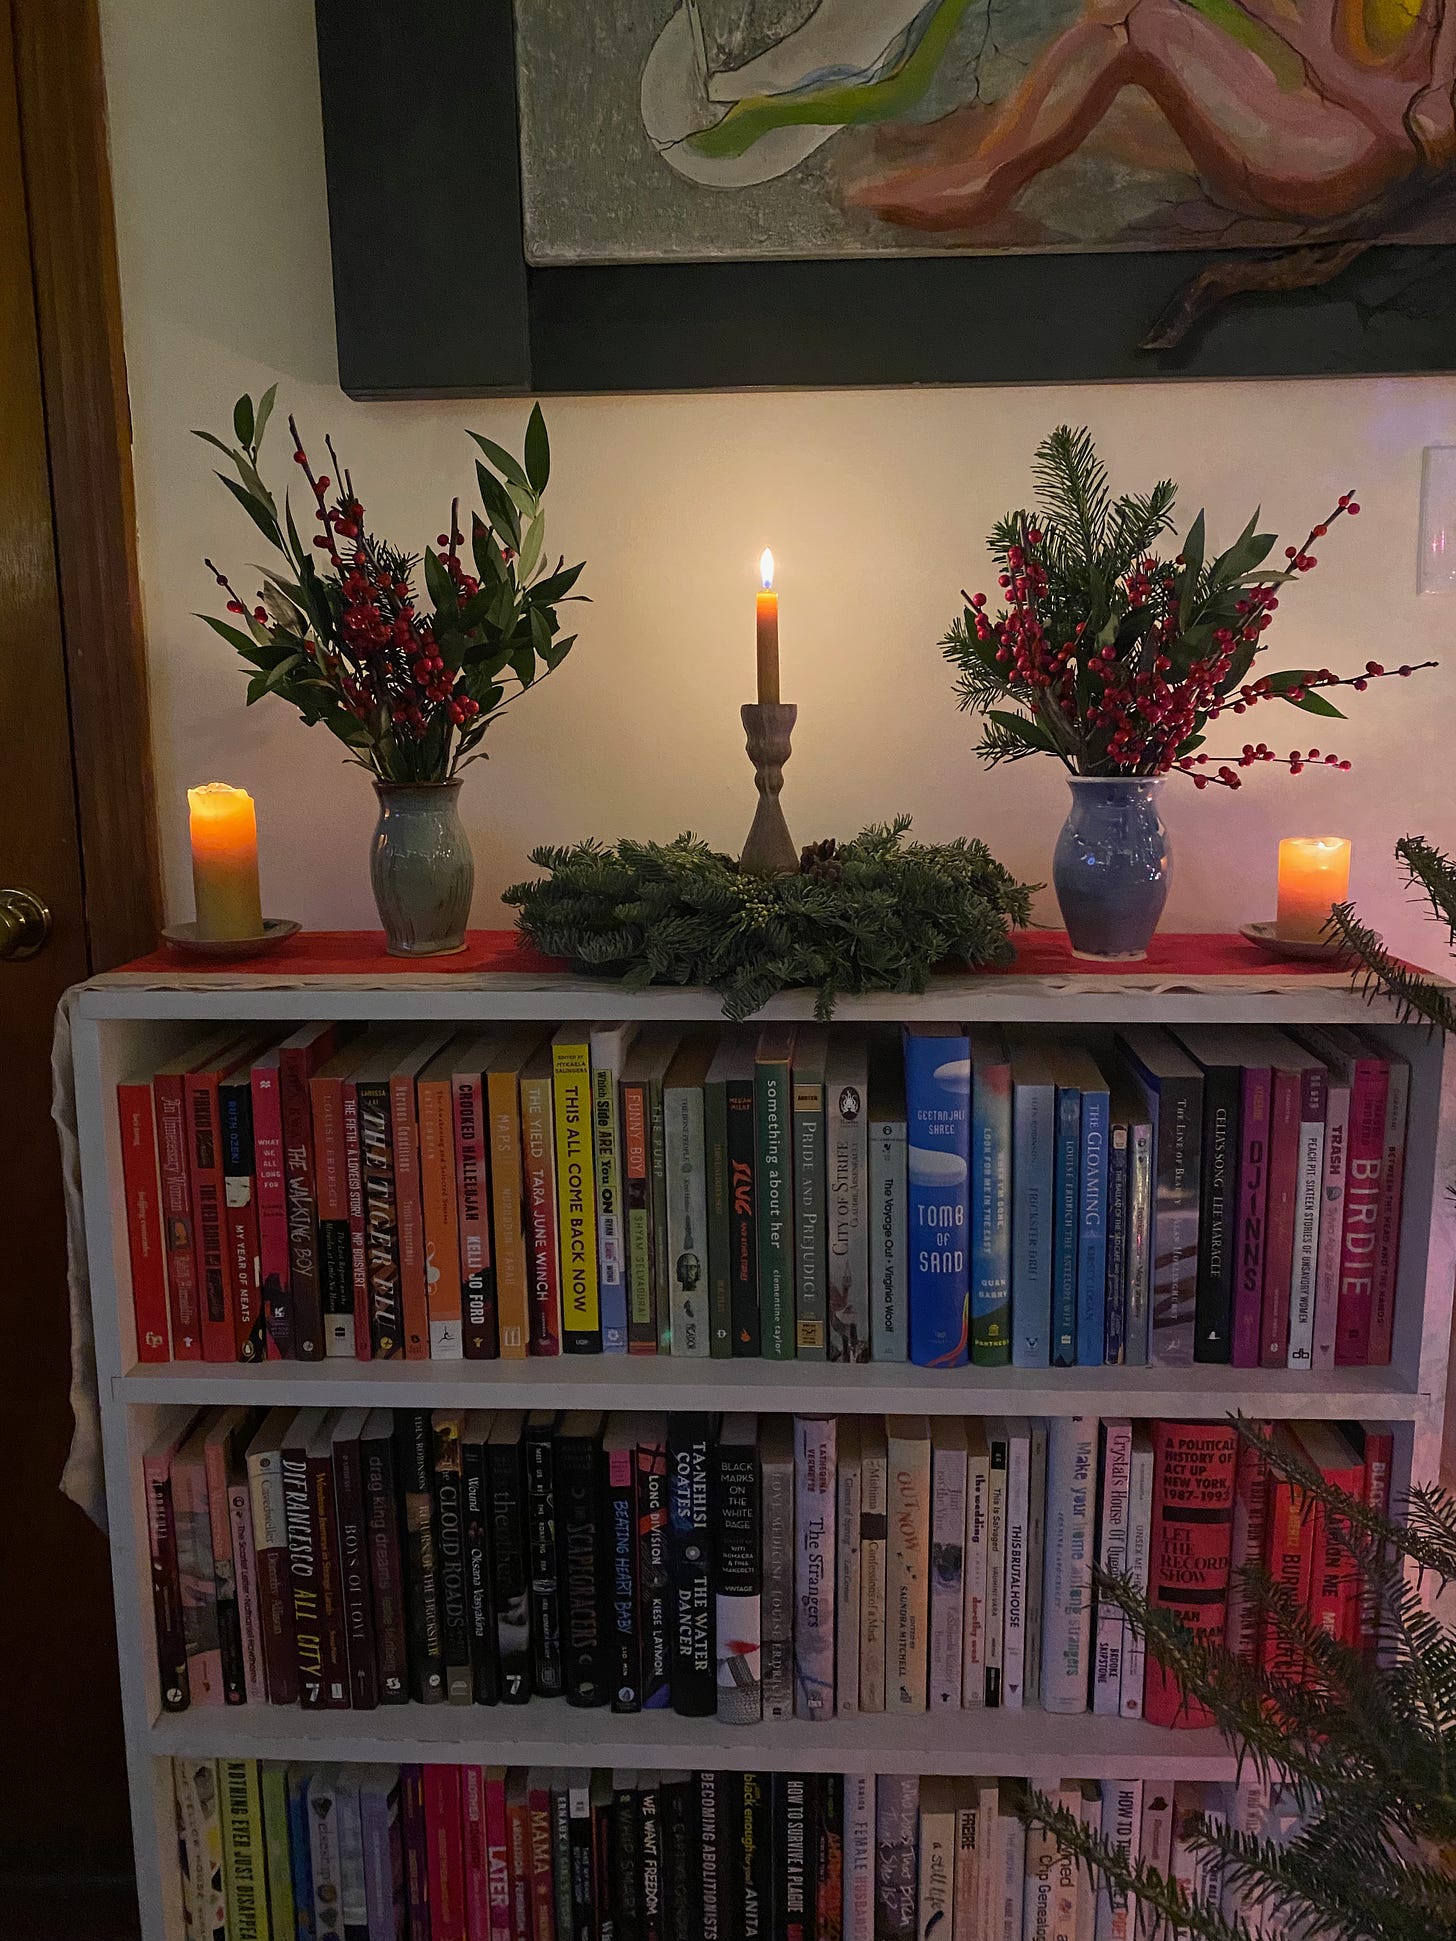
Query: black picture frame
[(434, 297)]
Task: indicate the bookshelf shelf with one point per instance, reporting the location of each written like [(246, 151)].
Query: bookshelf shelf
[(548, 1732)]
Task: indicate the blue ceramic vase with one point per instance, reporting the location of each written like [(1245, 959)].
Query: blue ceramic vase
[(1112, 865), (421, 868)]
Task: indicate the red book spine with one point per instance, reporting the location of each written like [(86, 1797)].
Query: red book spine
[(1334, 1581), (518, 1839), (543, 1271), (410, 1218), (358, 1225), (1243, 1624), (415, 1840), (1279, 1229), (176, 1189), (497, 1854), (166, 1583), (1364, 1632), (543, 1879), (271, 1187), (472, 1197), (1392, 1183), (141, 1185), (444, 1843), (219, 1321), (1360, 1241), (1253, 1202), (295, 1068), (1193, 1495), (637, 1199), (477, 1877), (1290, 1561)]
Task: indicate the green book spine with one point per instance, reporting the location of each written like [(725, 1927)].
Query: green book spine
[(244, 1877), (810, 1259), (774, 1194), (661, 1260), (720, 1287), (277, 1857)]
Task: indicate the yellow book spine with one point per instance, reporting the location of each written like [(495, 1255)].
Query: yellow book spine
[(576, 1195), (244, 1860), (503, 1105)]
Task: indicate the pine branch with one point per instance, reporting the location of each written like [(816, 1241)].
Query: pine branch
[(1072, 481), (1154, 1891), (1416, 995), (1433, 872)]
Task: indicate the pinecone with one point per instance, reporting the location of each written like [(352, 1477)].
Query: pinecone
[(820, 861)]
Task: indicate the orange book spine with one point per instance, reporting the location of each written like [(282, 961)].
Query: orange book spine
[(504, 1106), (442, 1233), (410, 1218)]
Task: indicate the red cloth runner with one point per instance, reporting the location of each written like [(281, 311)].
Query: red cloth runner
[(1039, 953)]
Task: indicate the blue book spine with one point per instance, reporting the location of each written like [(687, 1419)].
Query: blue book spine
[(938, 1197), (1064, 1232), (1115, 1309), (1033, 1140), (991, 1212), (1092, 1233)]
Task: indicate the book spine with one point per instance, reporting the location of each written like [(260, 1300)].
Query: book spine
[(445, 1846), (240, 1215), (219, 1323), (1255, 1104), (381, 1224), (1139, 1547), (1175, 1220), (624, 1636), (611, 1243), (738, 1586), (1071, 1480), (244, 1868), (1193, 1482), (873, 1538), (687, 1221), (654, 1575), (1331, 1223), (245, 1582), (586, 1646), (388, 1612), (1092, 1232), (199, 1831), (271, 1189), (777, 1622), (278, 1868), (719, 1192), (294, 1066), (581, 1319), (1279, 1231), (543, 1888), (811, 1252), (480, 1337), (450, 1559), (510, 1570), (363, 1348), (1289, 1558), (716, 1877), (637, 1188), (742, 1219), (1014, 1603), (991, 1214), (413, 1456), (335, 1256), (224, 1575), (1115, 1289), (497, 1862), (141, 1186), (449, 1191), (947, 1577), (815, 1503), (973, 1637), (166, 1586), (859, 1858), (1112, 1553), (1033, 1152), (475, 1862), (1360, 1239), (1392, 1182), (1365, 1634), (579, 1850), (773, 1207), (661, 1258), (508, 1216), (275, 1592), (333, 1685), (889, 1307), (1036, 1547), (479, 1585), (848, 1515), (538, 1457), (543, 1256), (996, 1511), (1248, 1531), (1065, 1228), (1308, 1190), (409, 1207), (176, 1205), (897, 1813), (848, 1189), (1139, 1244), (303, 1578), (938, 1166), (907, 1574), (1218, 1195), (694, 1670)]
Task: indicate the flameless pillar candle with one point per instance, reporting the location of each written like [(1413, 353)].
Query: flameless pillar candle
[(768, 635), (225, 862), (1314, 875)]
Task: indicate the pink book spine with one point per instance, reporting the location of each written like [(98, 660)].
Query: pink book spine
[(477, 1888), (497, 1854), (1360, 1236), (271, 1188), (518, 1832), (1392, 1183), (1279, 1226), (245, 1572), (1365, 1609), (199, 1582), (1243, 1624), (1332, 1223), (445, 1845), (1253, 1209), (358, 1226)]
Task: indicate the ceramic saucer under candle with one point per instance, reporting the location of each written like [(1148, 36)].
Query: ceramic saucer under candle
[(1311, 949), (183, 936)]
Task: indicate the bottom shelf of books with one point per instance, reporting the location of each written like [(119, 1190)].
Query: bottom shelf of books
[(447, 1852)]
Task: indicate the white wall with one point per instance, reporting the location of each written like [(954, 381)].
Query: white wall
[(875, 502)]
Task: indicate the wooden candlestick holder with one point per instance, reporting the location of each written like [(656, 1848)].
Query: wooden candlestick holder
[(770, 849)]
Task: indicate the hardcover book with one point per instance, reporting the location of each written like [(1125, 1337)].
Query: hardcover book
[(1172, 1088), (449, 1512), (991, 1319), (1360, 1239), (1339, 1084), (1248, 1534), (335, 1238), (938, 1170), (1188, 1568), (299, 1057), (1392, 1182), (354, 1583), (240, 1221), (810, 1167), (166, 1579), (414, 1470), (1033, 1152), (386, 1560), (732, 1239), (1223, 1057), (370, 1081), (480, 1618), (846, 1089)]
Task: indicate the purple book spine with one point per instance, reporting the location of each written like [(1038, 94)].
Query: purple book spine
[(1252, 1204)]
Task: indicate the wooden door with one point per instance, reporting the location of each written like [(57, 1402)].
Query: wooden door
[(70, 684)]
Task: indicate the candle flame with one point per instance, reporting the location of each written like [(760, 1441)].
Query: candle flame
[(766, 568)]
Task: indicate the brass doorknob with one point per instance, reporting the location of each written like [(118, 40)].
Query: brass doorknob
[(25, 924)]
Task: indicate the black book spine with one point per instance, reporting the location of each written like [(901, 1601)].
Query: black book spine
[(654, 1579), (510, 1580), (1115, 1297), (580, 1573), (235, 1120), (791, 1882), (621, 1548), (753, 1857), (625, 1876), (303, 1576), (737, 1582), (583, 1869), (381, 1219), (353, 1509), (479, 1578), (386, 1569), (694, 1693), (450, 1559), (414, 1455), (167, 1594), (742, 1232), (829, 1874), (682, 1887), (649, 1842), (1218, 1187), (547, 1676), (713, 1870)]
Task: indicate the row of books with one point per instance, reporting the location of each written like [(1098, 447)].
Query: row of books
[(939, 1195), (747, 1567), (275, 1852)]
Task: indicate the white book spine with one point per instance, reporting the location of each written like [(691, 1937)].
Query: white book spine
[(1139, 1543), (907, 1571), (889, 1308), (935, 1902), (324, 1852), (687, 1218), (199, 1829), (973, 1649), (1309, 1191), (245, 1577), (1011, 1873), (1332, 1221), (1155, 1837), (353, 1898), (1089, 1796), (859, 1857), (874, 1509), (847, 1515), (1122, 1814), (988, 1840), (1018, 1486), (1112, 1560), (947, 1574), (1036, 1521), (967, 1864), (1039, 1895), (1065, 1899), (1071, 1479), (996, 1568), (814, 1517)]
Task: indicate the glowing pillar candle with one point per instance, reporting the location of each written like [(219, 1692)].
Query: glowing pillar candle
[(225, 862), (768, 635), (1314, 875)]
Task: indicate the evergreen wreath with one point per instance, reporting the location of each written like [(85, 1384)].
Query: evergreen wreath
[(874, 914)]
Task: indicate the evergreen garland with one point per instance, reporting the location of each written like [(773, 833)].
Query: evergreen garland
[(875, 914)]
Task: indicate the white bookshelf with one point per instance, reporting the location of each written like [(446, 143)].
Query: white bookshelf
[(126, 1022)]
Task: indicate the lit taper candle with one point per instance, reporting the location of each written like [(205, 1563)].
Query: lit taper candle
[(768, 634), (225, 862)]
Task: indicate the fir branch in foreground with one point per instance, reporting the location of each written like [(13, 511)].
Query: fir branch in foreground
[(1415, 995), (1434, 873)]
